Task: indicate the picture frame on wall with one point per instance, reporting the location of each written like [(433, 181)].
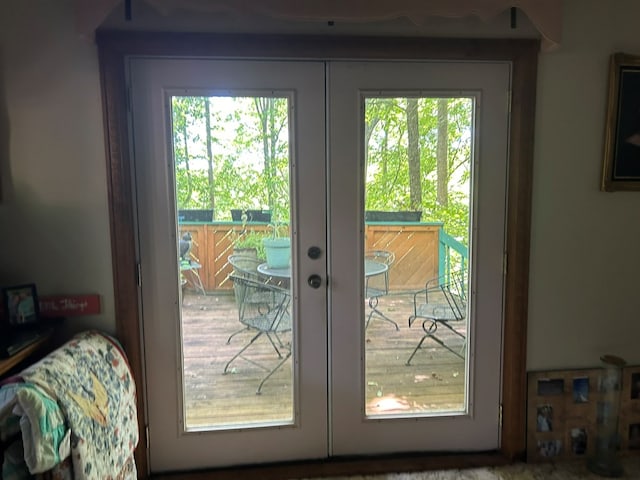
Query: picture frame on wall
[(621, 166)]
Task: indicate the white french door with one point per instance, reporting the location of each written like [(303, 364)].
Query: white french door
[(326, 407), (474, 425), (172, 446)]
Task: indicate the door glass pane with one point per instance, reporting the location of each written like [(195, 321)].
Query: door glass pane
[(418, 195), (231, 159)]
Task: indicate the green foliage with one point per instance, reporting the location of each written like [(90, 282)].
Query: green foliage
[(250, 153), (278, 229), (251, 239), (249, 162), (387, 174)]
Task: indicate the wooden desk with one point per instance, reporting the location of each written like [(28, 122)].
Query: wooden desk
[(6, 364)]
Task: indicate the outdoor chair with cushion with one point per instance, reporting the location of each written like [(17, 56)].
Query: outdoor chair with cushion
[(263, 310), (443, 302)]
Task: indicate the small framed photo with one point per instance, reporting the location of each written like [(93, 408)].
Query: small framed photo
[(621, 166), (544, 418), (550, 386), (578, 441), (549, 448), (581, 389), (20, 304)]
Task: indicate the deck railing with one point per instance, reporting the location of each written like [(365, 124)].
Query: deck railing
[(422, 250), (452, 256)]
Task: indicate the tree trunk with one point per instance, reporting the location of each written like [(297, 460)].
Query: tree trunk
[(413, 155), (273, 142), (262, 108), (211, 186), (442, 161), (187, 169), (368, 131)]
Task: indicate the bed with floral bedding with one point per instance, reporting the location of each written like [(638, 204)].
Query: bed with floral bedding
[(72, 415)]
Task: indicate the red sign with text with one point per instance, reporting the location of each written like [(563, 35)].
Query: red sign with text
[(69, 305)]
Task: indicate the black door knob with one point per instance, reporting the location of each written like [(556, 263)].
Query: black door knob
[(315, 281)]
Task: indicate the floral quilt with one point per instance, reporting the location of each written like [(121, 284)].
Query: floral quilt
[(90, 379)]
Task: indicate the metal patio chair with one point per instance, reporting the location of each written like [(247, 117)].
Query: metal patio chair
[(263, 310), (245, 266), (443, 302), (376, 286)]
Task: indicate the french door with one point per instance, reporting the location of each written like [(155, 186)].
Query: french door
[(317, 364)]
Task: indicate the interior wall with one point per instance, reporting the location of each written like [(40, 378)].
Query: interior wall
[(584, 296), (585, 257), (54, 212)]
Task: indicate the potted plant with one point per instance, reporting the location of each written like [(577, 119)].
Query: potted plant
[(249, 243), (277, 248)]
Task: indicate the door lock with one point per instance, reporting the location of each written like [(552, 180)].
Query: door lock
[(314, 281)]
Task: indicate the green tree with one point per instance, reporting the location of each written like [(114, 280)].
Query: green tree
[(186, 112), (418, 158), (214, 137), (233, 152), (273, 121)]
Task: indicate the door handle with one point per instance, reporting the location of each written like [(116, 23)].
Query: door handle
[(314, 281)]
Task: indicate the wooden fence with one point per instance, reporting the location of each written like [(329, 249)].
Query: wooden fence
[(415, 247)]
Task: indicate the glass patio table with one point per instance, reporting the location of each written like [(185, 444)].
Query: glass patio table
[(281, 276), (371, 269)]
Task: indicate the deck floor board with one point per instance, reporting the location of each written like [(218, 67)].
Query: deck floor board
[(434, 382)]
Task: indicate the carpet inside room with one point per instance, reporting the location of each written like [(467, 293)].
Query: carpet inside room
[(519, 471)]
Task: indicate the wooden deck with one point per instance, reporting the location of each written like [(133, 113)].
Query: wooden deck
[(434, 382)]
